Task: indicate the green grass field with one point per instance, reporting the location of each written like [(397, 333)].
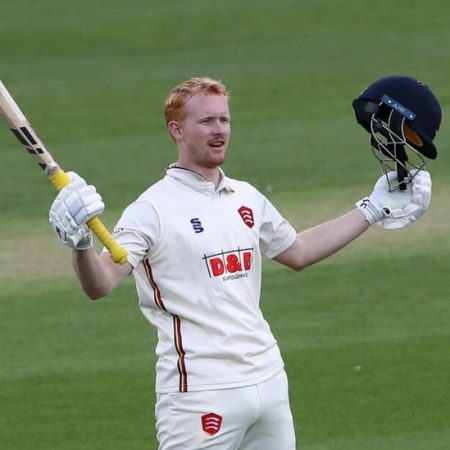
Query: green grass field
[(365, 334)]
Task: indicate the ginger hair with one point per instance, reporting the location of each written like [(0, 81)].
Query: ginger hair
[(177, 98)]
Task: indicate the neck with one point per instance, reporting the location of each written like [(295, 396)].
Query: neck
[(212, 174)]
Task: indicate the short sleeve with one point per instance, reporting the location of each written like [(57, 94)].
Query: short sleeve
[(276, 233), (138, 230)]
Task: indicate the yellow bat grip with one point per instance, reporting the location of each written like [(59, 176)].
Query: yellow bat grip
[(119, 254), (60, 179)]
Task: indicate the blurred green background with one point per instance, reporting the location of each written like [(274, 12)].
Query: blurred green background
[(365, 334)]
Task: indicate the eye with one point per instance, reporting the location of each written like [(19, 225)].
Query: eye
[(225, 119)]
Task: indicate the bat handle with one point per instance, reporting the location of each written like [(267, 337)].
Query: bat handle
[(119, 254), (60, 179)]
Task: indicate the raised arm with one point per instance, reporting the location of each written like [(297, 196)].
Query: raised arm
[(390, 210), (317, 243)]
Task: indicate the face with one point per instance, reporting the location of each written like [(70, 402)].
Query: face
[(202, 136)]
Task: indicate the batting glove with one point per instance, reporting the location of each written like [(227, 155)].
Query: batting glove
[(397, 209), (75, 204)]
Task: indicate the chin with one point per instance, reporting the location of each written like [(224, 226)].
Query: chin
[(217, 159)]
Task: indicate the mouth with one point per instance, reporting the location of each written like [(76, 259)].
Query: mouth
[(217, 143)]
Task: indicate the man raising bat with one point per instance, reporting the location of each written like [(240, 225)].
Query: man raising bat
[(195, 242)]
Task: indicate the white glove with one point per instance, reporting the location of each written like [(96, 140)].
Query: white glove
[(397, 209), (75, 204)]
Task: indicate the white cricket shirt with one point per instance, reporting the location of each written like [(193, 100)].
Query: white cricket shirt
[(196, 253)]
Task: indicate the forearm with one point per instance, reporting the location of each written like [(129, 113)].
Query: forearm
[(319, 242), (323, 240), (91, 272)]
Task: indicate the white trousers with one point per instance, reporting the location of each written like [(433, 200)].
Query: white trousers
[(256, 417)]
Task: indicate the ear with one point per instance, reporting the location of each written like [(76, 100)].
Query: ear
[(175, 130)]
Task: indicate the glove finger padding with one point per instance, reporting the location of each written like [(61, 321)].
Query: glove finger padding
[(421, 188), (397, 209), (81, 203), (75, 204)]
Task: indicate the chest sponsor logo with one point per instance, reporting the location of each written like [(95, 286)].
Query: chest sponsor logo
[(230, 265), (246, 214)]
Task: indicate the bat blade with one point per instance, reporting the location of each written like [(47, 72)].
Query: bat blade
[(10, 111), (19, 125)]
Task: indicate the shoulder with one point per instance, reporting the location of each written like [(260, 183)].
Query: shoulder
[(155, 188), (145, 205), (243, 186), (246, 192)]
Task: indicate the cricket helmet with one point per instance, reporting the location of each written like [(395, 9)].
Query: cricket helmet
[(400, 113)]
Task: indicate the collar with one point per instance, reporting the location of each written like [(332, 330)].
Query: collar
[(199, 182)]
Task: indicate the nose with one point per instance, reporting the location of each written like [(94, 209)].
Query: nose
[(221, 127)]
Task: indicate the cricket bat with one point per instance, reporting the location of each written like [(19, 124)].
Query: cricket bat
[(23, 131)]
